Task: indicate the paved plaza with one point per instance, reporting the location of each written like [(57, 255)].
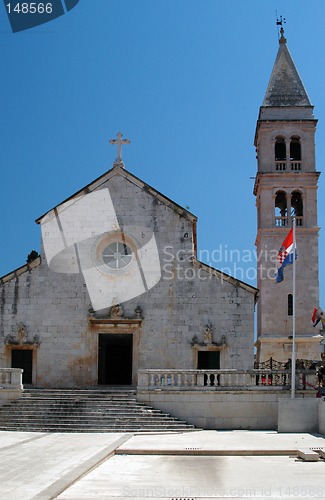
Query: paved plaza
[(189, 465)]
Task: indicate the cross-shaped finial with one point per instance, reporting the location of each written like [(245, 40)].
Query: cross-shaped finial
[(119, 141), (280, 22)]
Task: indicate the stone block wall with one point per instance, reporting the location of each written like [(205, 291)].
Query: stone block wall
[(55, 307), (251, 410), (298, 415)]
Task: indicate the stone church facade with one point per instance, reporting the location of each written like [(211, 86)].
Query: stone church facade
[(117, 289)]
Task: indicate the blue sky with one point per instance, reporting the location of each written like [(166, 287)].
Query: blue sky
[(182, 79)]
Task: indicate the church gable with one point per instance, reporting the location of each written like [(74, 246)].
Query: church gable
[(138, 211), (115, 232), (119, 271), (117, 171)]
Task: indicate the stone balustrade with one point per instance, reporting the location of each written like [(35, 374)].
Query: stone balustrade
[(282, 165), (11, 386), (284, 221), (224, 379)]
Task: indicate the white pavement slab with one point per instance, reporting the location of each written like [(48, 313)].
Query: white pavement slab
[(35, 465), (232, 464), (189, 478), (9, 438), (222, 442)]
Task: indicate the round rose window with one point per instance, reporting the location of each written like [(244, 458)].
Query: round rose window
[(117, 255)]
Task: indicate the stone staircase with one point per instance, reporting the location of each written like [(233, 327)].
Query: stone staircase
[(88, 410)]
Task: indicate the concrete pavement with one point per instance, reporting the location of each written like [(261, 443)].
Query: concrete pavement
[(196, 465)]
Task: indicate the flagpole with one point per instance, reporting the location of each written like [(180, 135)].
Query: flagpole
[(293, 358)]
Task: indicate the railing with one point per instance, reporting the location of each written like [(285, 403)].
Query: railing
[(283, 221), (299, 221), (271, 363), (223, 379), (293, 165), (280, 165)]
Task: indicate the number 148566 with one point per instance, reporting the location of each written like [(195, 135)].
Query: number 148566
[(29, 8)]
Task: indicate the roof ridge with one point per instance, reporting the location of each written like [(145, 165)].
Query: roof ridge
[(118, 170), (20, 270)]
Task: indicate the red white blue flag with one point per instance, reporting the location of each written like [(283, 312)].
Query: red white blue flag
[(285, 256), (317, 316)]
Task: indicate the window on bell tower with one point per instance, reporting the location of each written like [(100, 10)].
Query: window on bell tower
[(297, 207), (280, 209), (280, 149), (295, 148), (295, 153), (280, 153)]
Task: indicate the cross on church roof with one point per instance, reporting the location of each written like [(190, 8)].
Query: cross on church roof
[(281, 22), (119, 141)]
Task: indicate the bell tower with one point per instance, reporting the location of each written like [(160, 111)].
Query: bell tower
[(286, 187)]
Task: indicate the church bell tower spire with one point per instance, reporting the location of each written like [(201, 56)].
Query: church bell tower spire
[(286, 188)]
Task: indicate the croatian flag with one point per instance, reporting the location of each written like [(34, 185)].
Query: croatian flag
[(285, 256), (317, 316)]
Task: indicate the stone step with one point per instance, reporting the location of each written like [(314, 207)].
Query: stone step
[(87, 418), (98, 423), (81, 393), (54, 410), (91, 416), (67, 397), (65, 400), (59, 409), (86, 411), (308, 455), (154, 430), (75, 427), (60, 420), (89, 399), (77, 405), (27, 402), (91, 428), (79, 408), (30, 402), (41, 427), (117, 389), (58, 406)]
